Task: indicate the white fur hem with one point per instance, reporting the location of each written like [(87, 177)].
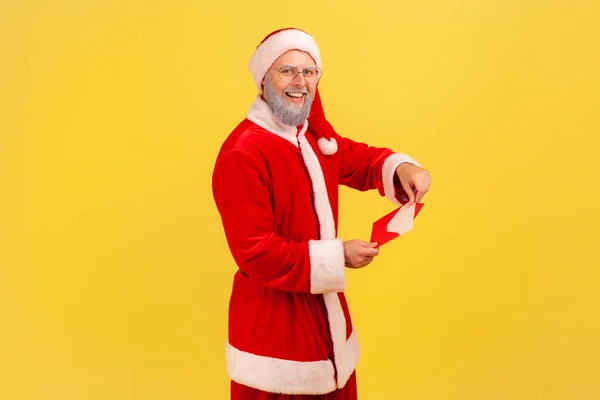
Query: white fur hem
[(327, 266), (275, 375), (389, 170)]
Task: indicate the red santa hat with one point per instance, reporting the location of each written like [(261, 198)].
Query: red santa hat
[(270, 49)]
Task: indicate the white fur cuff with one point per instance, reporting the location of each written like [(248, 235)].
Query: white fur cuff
[(327, 265), (389, 170)]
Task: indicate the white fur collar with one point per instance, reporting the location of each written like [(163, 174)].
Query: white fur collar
[(262, 115)]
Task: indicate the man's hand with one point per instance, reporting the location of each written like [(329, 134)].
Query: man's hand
[(358, 254), (415, 181)]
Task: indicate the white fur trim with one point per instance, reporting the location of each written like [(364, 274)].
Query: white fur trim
[(346, 352), (327, 147), (327, 266), (272, 48), (322, 205), (389, 170), (262, 115), (347, 359), (280, 376)]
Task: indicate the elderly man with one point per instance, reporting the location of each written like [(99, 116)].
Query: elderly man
[(275, 184)]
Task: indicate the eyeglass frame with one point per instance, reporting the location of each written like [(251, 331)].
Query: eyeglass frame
[(298, 71)]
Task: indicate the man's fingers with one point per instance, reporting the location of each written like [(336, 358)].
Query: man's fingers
[(422, 185), (364, 261), (370, 252), (362, 253), (361, 243), (409, 191), (415, 181), (419, 196)]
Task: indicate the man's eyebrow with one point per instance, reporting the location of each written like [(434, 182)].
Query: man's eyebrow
[(295, 66)]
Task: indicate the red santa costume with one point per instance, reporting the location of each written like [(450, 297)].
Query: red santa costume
[(276, 189)]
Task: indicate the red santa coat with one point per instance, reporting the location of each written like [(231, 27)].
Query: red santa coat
[(290, 329)]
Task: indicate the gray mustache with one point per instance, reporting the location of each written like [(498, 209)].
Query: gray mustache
[(305, 91)]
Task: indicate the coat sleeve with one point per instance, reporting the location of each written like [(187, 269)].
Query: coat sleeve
[(242, 192), (365, 167)]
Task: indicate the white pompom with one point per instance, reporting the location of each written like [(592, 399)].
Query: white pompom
[(327, 147)]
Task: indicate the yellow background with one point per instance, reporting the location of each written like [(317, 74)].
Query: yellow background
[(114, 273)]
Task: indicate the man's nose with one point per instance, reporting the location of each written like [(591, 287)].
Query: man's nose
[(299, 80)]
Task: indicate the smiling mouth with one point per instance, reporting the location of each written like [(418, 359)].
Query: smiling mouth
[(295, 95)]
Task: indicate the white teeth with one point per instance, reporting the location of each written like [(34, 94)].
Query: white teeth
[(298, 95)]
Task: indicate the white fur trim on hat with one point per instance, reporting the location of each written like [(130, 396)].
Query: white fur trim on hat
[(327, 147), (273, 47)]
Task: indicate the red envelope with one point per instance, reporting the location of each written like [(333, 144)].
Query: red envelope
[(394, 224)]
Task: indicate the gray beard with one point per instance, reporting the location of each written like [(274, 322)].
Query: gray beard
[(293, 116)]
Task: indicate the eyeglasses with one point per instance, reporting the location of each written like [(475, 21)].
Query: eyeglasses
[(289, 73)]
